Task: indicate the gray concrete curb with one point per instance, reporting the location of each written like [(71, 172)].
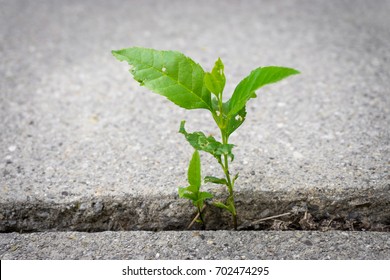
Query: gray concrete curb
[(301, 245)]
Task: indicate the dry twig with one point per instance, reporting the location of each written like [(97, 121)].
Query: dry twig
[(196, 217)]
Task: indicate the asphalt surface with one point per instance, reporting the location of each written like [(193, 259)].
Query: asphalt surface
[(83, 147)]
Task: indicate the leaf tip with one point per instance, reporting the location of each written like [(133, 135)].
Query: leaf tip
[(295, 71), (118, 54)]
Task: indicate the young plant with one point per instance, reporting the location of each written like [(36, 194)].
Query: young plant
[(192, 192), (185, 83)]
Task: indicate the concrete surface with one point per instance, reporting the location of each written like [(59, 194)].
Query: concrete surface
[(83, 147), (292, 245)]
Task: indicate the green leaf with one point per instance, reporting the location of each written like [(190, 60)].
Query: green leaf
[(181, 191), (208, 144), (235, 178), (190, 196), (194, 172), (194, 179), (255, 80), (170, 74), (192, 193), (215, 81), (215, 180), (192, 189), (186, 193), (230, 205), (220, 205), (236, 121), (204, 195)]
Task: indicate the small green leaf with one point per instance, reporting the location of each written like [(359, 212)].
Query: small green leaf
[(208, 144), (181, 191), (220, 205), (255, 80), (194, 172), (189, 196), (192, 189), (215, 180), (230, 205), (236, 121), (204, 195), (194, 178), (235, 177), (185, 193), (168, 73), (215, 81), (189, 189)]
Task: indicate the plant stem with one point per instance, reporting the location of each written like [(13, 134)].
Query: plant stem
[(221, 122), (200, 217), (230, 184)]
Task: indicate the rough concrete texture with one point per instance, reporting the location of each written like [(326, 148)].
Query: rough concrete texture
[(83, 147), (196, 245)]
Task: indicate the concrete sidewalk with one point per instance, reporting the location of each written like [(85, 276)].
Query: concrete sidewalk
[(243, 245), (83, 147)]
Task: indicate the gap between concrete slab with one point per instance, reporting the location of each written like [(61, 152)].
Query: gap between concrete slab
[(314, 209)]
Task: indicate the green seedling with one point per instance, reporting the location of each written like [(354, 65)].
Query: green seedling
[(185, 83), (192, 192)]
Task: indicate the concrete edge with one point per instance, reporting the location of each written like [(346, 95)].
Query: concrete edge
[(196, 245), (367, 209)]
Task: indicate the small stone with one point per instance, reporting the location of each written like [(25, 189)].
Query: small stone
[(297, 155), (308, 243), (98, 207), (83, 206), (8, 159), (49, 171), (12, 148)]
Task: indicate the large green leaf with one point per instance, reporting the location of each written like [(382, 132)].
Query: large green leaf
[(208, 144), (194, 172), (255, 80), (168, 73)]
